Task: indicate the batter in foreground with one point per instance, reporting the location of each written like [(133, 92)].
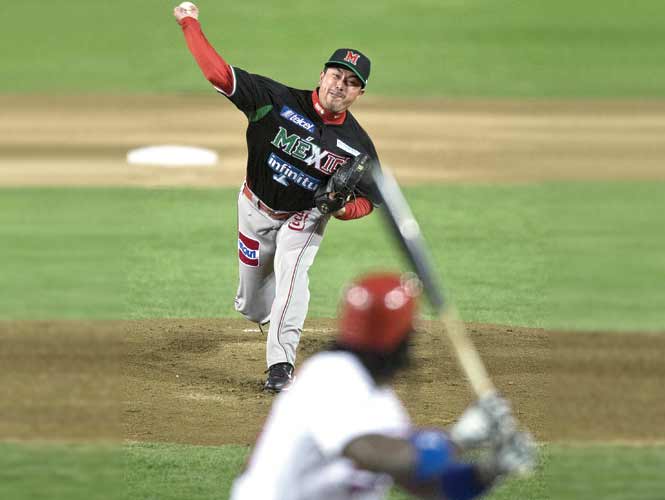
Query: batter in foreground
[(349, 436), (296, 140)]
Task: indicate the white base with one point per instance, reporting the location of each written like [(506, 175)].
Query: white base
[(169, 155)]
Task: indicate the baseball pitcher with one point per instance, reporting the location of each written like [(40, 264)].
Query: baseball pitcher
[(349, 437), (307, 156)]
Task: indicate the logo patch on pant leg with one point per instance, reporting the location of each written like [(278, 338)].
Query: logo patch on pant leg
[(248, 250), (298, 220)]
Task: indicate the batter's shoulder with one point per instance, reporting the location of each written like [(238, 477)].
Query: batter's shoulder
[(347, 367)]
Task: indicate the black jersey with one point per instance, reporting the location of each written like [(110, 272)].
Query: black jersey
[(290, 150)]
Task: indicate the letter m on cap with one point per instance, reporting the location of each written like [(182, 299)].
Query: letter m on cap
[(351, 57)]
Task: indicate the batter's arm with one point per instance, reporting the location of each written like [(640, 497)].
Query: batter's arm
[(411, 463), (379, 453), (393, 456)]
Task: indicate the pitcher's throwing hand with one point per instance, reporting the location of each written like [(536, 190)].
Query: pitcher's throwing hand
[(186, 9)]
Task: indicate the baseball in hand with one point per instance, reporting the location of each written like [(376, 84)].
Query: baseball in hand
[(186, 9), (188, 6)]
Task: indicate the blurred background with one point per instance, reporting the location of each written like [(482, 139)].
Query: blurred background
[(529, 138)]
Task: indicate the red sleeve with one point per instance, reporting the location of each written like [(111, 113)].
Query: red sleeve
[(215, 69), (355, 209)]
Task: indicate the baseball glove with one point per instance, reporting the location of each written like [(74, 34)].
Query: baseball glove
[(332, 196)]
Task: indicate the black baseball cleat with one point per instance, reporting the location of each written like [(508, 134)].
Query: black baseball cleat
[(280, 376)]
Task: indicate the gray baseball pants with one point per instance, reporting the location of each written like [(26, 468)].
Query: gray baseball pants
[(275, 255)]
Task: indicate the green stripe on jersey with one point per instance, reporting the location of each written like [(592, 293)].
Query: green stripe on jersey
[(259, 113)]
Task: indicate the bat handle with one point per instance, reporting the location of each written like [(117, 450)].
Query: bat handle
[(468, 356)]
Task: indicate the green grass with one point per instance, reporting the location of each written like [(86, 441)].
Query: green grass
[(607, 266), (610, 472), (488, 48), (168, 471), (61, 253), (573, 255), (36, 471)]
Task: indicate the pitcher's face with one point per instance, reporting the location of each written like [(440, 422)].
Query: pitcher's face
[(338, 89)]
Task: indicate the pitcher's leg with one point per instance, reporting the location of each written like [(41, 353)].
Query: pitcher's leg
[(255, 295), (290, 306), (296, 250), (256, 250)]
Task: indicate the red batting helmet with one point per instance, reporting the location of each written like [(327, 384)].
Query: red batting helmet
[(377, 312)]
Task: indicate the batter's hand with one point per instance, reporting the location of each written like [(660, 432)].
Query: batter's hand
[(185, 9), (485, 422)]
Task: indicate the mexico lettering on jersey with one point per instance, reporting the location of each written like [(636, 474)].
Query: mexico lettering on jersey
[(291, 152), (307, 151)]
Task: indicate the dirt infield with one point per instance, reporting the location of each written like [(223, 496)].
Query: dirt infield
[(199, 381), (84, 140)]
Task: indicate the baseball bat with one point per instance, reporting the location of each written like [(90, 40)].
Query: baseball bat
[(407, 231)]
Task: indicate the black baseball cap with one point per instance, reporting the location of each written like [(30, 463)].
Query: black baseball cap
[(351, 59)]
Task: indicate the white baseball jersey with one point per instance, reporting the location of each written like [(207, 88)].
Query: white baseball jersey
[(298, 455)]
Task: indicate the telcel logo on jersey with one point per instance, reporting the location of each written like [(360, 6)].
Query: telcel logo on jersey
[(299, 120), (286, 174)]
